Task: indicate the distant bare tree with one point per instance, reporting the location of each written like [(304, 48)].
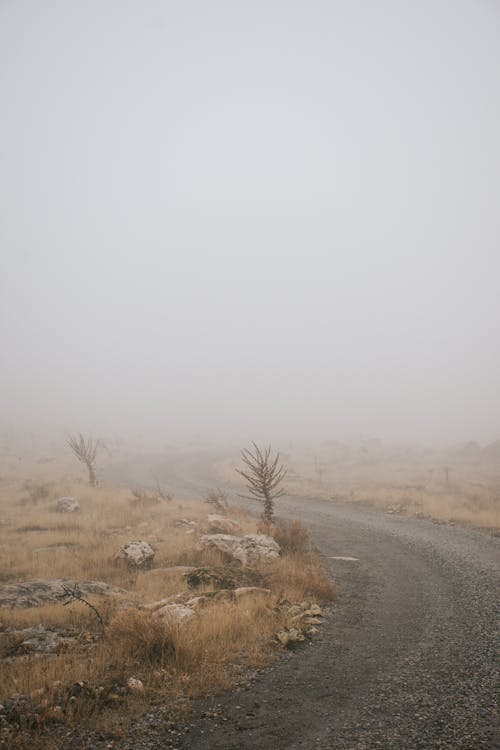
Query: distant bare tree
[(264, 476), (85, 450)]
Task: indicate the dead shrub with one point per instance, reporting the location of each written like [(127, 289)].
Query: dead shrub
[(217, 498), (141, 636), (142, 498), (224, 636), (292, 536), (36, 492), (301, 576)]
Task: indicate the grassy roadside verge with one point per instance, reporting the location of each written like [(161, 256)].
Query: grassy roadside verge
[(447, 488), (90, 679)]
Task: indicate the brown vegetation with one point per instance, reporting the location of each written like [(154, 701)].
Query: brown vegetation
[(89, 675), (461, 485)]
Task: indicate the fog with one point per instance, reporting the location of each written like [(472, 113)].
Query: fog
[(250, 220)]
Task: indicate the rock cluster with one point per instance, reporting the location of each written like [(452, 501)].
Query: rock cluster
[(305, 617)]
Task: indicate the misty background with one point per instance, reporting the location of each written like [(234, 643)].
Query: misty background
[(268, 220)]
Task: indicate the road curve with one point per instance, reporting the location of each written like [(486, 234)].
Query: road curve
[(405, 661)]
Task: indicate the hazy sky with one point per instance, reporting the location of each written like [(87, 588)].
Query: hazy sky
[(250, 220)]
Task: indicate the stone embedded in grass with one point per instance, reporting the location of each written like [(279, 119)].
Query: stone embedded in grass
[(173, 570), (135, 685), (314, 611), (174, 614), (137, 554), (39, 591), (219, 579), (222, 525), (245, 592), (290, 637), (67, 505), (185, 523), (313, 621), (37, 640), (252, 549)]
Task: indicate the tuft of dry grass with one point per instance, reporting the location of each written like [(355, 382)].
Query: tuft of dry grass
[(292, 536), (301, 577)]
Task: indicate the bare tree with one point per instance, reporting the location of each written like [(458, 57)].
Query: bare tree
[(264, 476), (85, 449)]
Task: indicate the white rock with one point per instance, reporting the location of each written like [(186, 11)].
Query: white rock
[(182, 523), (251, 549), (290, 636), (67, 505), (174, 614), (221, 525), (135, 685), (136, 554)]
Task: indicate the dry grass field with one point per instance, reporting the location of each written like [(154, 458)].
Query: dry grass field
[(461, 485), (88, 675)]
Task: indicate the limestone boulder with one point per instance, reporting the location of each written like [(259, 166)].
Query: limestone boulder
[(221, 525), (136, 554), (38, 591), (174, 614), (135, 685), (250, 550), (67, 505)]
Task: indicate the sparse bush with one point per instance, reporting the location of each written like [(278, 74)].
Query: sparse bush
[(218, 498), (142, 636), (300, 577), (36, 492), (292, 536), (163, 494), (142, 498)]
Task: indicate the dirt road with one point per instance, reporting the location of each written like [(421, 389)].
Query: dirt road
[(405, 661)]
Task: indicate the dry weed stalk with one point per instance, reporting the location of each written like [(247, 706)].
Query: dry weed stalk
[(74, 594)]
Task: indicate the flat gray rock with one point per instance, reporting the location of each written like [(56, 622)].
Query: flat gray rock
[(38, 591)]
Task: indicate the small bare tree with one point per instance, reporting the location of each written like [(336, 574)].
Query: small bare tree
[(264, 476), (85, 449)]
